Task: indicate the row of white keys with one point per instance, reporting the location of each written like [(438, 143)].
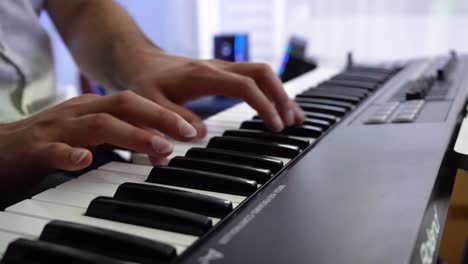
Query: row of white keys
[(51, 211), (110, 174)]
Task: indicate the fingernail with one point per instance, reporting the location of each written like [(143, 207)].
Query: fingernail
[(187, 130), (289, 117), (78, 155), (161, 145), (277, 124)]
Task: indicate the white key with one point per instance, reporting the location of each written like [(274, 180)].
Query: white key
[(118, 176), (110, 179), (21, 225), (77, 185), (216, 131), (230, 117), (5, 240), (221, 124), (127, 167), (141, 159), (49, 211), (31, 227), (66, 197), (184, 146), (285, 160)]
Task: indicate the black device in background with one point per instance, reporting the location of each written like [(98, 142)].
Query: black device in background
[(294, 61)]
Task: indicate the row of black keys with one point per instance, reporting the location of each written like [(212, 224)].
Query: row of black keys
[(234, 163)]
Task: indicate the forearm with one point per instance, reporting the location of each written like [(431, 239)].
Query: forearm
[(102, 37)]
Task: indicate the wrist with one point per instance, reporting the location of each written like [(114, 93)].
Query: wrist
[(129, 57)]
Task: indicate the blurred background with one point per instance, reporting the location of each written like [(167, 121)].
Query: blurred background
[(374, 30)]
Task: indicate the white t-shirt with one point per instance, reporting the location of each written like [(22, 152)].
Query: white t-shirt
[(27, 78)]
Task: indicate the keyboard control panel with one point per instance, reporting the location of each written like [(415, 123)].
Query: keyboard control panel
[(423, 94)]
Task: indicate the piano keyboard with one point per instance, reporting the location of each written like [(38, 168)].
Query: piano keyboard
[(137, 213)]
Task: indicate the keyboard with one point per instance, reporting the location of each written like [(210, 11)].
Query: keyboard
[(366, 179)]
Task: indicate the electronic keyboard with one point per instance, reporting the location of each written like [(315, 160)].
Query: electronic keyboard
[(366, 179)]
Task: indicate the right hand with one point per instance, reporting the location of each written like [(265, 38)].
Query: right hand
[(59, 138)]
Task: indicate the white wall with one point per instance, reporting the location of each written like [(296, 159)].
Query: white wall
[(171, 24), (379, 29)]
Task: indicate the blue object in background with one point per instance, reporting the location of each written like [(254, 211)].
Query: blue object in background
[(231, 47)]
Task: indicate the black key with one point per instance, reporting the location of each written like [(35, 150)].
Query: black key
[(344, 90), (365, 76), (346, 105), (257, 161), (25, 251), (106, 242), (268, 137), (241, 171), (325, 109), (365, 85), (254, 146), (339, 97), (298, 131), (370, 69), (188, 201), (361, 77), (317, 122), (329, 118), (321, 120), (152, 216), (202, 180)]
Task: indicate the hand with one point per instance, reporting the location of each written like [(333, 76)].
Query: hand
[(59, 137), (171, 81)]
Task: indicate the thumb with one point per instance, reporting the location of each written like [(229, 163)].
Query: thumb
[(63, 157)]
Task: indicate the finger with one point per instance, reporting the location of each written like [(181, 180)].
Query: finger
[(206, 79), (62, 156), (97, 129), (158, 161), (85, 98), (245, 88), (271, 85), (188, 115), (140, 111), (299, 114)]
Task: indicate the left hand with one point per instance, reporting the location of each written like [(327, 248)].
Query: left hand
[(172, 81)]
